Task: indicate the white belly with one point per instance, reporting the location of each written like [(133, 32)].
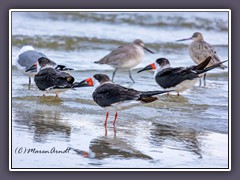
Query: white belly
[(123, 105), (130, 63), (126, 64), (187, 84), (55, 91), (22, 69)]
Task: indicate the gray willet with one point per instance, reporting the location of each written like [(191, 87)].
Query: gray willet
[(51, 80), (199, 50), (27, 57), (125, 57), (178, 78), (113, 97)]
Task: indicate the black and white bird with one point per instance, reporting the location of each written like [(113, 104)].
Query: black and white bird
[(51, 80), (178, 78), (199, 50), (27, 57), (125, 57), (113, 97)]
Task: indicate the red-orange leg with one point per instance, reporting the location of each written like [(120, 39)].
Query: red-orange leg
[(115, 119), (105, 123)]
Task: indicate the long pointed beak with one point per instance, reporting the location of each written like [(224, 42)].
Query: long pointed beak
[(166, 91), (33, 67), (87, 82), (63, 68), (184, 39), (149, 67), (146, 48)]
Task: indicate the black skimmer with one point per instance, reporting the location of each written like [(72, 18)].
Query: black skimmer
[(51, 80), (125, 57), (178, 78), (27, 57), (113, 97), (199, 50)]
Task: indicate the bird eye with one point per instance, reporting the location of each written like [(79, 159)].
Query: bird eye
[(69, 79)]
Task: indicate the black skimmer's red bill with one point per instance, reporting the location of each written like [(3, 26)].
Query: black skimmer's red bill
[(125, 57), (113, 97), (27, 57), (199, 50), (52, 80), (178, 78)]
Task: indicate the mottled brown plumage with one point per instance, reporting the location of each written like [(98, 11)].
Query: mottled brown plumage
[(199, 50)]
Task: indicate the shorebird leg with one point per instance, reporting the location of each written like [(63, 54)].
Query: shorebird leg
[(105, 123), (115, 119), (114, 72), (130, 75), (115, 131), (29, 81), (204, 79), (200, 82), (106, 131)]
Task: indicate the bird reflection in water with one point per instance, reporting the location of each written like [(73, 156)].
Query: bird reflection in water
[(178, 138), (50, 100), (104, 147), (43, 123)]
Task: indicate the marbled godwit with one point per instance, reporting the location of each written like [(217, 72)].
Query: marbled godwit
[(178, 78), (125, 57), (199, 50)]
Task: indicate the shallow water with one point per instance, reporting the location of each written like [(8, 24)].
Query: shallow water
[(187, 131)]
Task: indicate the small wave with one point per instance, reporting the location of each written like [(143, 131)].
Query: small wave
[(62, 42), (70, 43), (154, 19), (194, 20)]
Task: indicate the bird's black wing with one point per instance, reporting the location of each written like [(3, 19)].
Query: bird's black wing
[(52, 78), (109, 93), (170, 77)]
